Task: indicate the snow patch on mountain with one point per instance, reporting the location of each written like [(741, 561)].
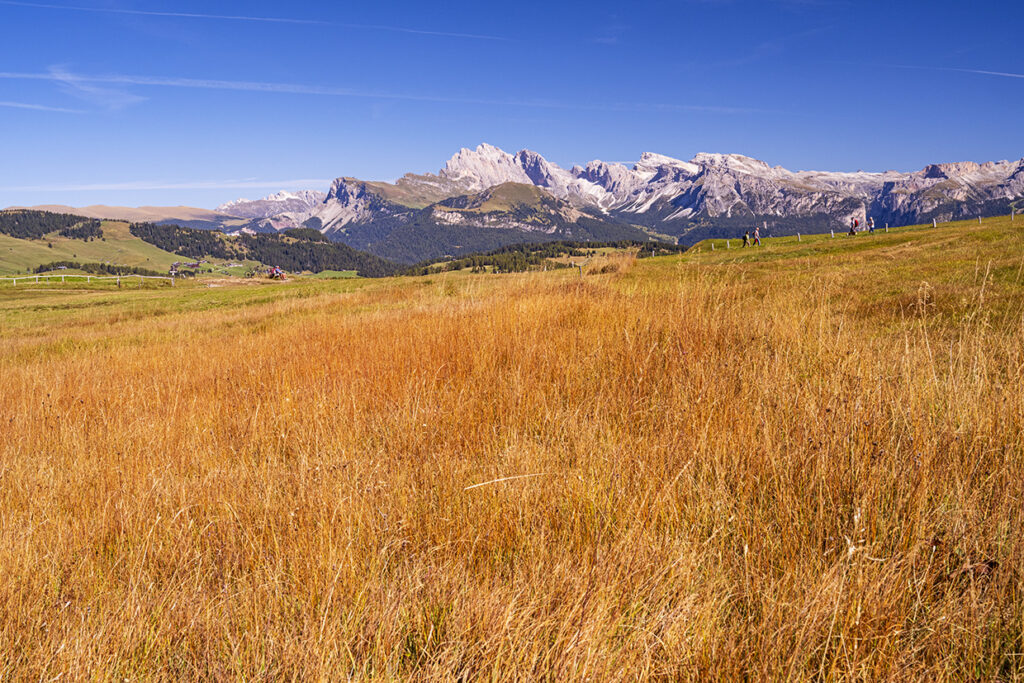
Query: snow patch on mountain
[(658, 191), (303, 201)]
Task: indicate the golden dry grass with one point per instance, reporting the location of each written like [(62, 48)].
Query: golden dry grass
[(802, 466)]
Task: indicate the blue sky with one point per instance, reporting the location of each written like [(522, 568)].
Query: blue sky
[(136, 102)]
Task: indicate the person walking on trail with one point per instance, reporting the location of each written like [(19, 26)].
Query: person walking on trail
[(757, 236), (871, 225), (746, 239), (853, 227)]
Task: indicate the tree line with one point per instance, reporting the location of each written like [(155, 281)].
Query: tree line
[(105, 269), (302, 254), (33, 225), (195, 244), (294, 250), (516, 258)]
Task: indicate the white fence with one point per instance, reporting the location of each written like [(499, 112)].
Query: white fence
[(45, 279)]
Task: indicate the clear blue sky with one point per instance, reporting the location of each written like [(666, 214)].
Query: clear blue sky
[(141, 102)]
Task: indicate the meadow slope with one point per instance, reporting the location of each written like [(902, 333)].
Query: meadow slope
[(118, 246), (803, 461)]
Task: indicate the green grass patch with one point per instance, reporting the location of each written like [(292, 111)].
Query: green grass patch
[(334, 274)]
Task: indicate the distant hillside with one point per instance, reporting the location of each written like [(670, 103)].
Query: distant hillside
[(294, 251), (181, 215), (35, 224), (30, 239)]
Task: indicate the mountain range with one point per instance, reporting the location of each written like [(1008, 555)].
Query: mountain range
[(485, 197)]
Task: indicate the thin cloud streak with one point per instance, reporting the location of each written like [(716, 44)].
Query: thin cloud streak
[(299, 89), (108, 98), (39, 107), (142, 185), (989, 73), (269, 20), (948, 69)]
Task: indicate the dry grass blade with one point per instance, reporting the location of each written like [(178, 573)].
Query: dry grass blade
[(495, 481)]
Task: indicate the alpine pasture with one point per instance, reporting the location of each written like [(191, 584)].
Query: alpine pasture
[(802, 461)]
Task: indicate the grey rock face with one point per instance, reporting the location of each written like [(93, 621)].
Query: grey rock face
[(710, 194), (303, 201)]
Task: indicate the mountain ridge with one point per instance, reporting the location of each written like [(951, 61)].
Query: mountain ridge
[(711, 195)]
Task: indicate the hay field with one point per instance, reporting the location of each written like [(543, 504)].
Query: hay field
[(799, 462)]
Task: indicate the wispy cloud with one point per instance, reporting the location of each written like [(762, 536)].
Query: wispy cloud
[(39, 107), (150, 185), (1004, 74), (268, 20), (948, 69), (84, 89), (317, 90)]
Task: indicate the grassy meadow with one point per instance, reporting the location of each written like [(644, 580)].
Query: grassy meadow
[(118, 246), (804, 461)]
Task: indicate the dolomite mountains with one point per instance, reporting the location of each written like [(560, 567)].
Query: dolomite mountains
[(486, 197)]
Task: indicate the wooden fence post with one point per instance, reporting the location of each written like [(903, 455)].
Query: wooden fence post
[(833, 233), (935, 223), (798, 237), (887, 227)]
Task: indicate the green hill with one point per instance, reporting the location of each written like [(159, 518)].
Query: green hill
[(116, 246), (31, 239)]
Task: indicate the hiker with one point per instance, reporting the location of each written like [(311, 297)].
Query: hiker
[(853, 227), (871, 225), (757, 236), (746, 239)]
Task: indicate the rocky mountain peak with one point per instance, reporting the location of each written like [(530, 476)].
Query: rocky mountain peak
[(711, 192), (950, 170), (343, 189), (733, 162), (483, 167), (302, 201), (652, 159), (537, 168)]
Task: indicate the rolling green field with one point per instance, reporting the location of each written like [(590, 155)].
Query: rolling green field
[(802, 462), (118, 247), (334, 274)]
